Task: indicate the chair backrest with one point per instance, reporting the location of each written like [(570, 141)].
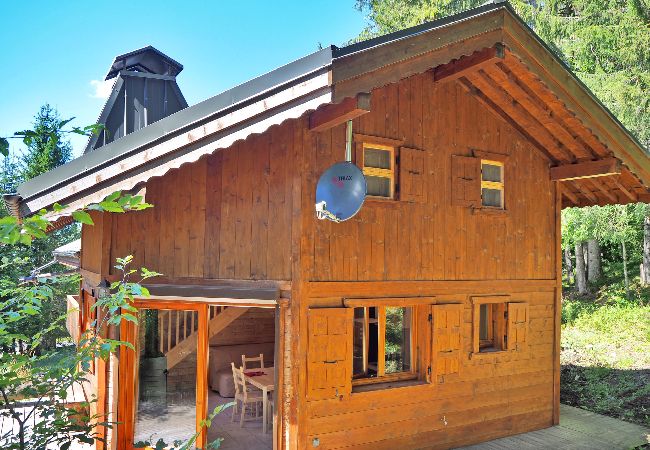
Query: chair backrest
[(238, 378), (255, 360)]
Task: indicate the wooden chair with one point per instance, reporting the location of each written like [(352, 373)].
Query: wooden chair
[(254, 359), (269, 413), (245, 397)]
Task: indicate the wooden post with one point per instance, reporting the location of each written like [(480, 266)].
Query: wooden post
[(202, 356), (558, 303)]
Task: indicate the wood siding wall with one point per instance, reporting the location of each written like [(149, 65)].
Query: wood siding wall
[(403, 249), (247, 213), (397, 240), (226, 216)]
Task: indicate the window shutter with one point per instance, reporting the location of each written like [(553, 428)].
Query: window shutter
[(329, 354), (517, 326), (446, 332), (465, 181), (412, 177)]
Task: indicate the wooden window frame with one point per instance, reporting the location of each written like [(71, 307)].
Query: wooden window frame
[(495, 185), (363, 142), (498, 321), (378, 172), (382, 377)]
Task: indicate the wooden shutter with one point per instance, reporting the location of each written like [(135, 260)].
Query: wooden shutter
[(517, 326), (446, 341), (329, 354), (412, 176), (465, 181)]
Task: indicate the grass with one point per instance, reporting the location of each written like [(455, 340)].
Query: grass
[(606, 351)]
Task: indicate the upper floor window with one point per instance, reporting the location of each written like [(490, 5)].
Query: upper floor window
[(379, 169), (491, 184)]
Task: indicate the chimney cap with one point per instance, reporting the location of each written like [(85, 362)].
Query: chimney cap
[(148, 60)]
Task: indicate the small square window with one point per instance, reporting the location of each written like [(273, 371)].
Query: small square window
[(492, 184), (379, 170), (491, 319)]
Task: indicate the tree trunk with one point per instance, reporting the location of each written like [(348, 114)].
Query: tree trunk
[(594, 271), (581, 273), (585, 253), (645, 265), (627, 279), (568, 263)]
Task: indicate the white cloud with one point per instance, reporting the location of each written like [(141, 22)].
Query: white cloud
[(102, 89)]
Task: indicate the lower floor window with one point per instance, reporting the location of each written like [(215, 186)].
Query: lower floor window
[(383, 342), (492, 332)]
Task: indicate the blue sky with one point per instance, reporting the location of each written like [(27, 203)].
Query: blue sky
[(57, 52)]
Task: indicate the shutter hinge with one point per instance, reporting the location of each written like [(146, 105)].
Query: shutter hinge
[(430, 317), (429, 370), (505, 314), (505, 340)]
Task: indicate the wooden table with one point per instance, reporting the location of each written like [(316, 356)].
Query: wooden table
[(266, 383)]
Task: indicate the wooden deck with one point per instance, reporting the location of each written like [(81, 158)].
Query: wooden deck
[(578, 430)]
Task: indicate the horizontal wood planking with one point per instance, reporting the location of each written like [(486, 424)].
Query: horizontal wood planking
[(388, 239), (492, 388)]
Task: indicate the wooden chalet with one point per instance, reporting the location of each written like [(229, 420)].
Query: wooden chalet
[(431, 319)]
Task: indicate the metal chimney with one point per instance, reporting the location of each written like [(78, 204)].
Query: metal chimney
[(144, 91)]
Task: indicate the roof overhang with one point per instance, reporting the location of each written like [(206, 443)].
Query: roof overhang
[(587, 130)]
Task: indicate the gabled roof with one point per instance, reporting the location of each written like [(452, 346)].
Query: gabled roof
[(521, 82)]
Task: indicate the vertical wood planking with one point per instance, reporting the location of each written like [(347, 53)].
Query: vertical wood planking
[(227, 250), (212, 228), (197, 232), (260, 200), (244, 214)]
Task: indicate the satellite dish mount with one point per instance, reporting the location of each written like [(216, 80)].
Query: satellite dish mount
[(342, 188)]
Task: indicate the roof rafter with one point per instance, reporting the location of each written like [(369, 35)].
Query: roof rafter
[(514, 109), (528, 101), (501, 114), (457, 68)]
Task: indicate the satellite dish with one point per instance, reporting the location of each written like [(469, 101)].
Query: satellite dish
[(340, 192)]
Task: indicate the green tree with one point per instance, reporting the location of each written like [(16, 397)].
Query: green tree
[(46, 148)]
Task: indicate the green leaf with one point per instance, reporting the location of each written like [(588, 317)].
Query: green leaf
[(4, 146), (82, 217), (130, 318), (111, 207), (113, 196)]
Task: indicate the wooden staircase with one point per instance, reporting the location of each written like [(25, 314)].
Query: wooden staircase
[(178, 330)]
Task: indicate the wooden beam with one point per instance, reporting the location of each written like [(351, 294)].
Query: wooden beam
[(529, 101), (589, 169), (459, 67), (629, 194), (335, 114), (511, 106), (499, 112), (585, 192), (602, 190), (558, 108)]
